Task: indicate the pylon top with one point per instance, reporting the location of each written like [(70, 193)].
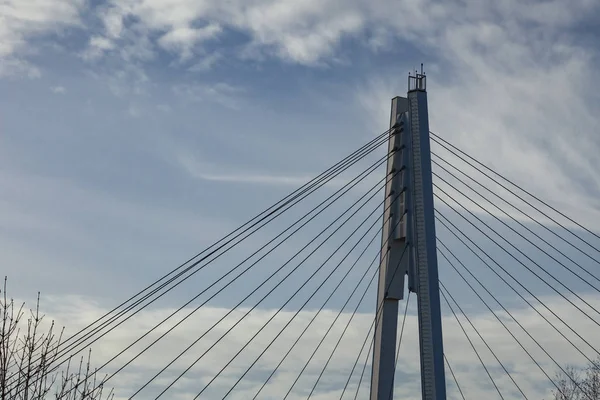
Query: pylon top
[(418, 81)]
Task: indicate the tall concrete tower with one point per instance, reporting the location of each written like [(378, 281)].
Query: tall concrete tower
[(410, 248)]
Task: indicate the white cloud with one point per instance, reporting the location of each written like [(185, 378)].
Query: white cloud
[(183, 39), (76, 312), (517, 96), (302, 32), (299, 32), (22, 21), (307, 32), (113, 23)]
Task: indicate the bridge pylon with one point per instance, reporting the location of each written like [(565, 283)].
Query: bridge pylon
[(409, 248)]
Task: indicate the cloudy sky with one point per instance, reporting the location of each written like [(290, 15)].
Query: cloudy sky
[(134, 133)]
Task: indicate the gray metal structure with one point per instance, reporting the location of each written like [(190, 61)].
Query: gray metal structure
[(411, 248)]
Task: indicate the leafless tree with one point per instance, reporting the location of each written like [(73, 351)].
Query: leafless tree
[(591, 383), (578, 384), (569, 384), (28, 354)]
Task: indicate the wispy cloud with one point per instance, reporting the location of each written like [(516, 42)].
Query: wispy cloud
[(504, 100), (256, 179), (209, 172)]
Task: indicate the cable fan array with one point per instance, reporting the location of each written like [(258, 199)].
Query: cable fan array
[(526, 273), (284, 306)]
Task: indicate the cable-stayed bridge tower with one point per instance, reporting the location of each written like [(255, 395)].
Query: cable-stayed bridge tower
[(409, 247)]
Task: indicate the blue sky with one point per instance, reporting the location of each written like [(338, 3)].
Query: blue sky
[(134, 133)]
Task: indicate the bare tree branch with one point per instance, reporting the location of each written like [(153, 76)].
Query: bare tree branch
[(26, 360)]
